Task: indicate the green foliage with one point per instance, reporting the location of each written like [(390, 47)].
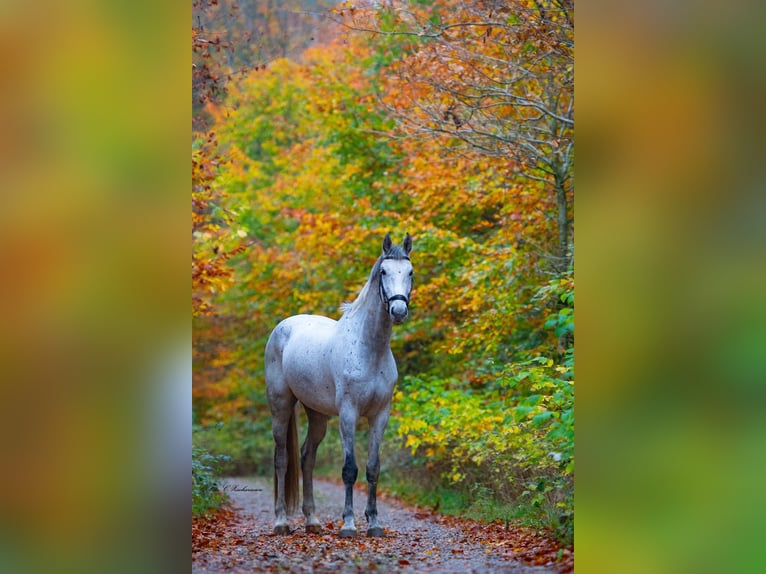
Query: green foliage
[(477, 500), (509, 444), (242, 446), (206, 494)]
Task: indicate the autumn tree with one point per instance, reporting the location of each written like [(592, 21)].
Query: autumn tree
[(229, 39), (252, 34), (496, 77), (210, 249)]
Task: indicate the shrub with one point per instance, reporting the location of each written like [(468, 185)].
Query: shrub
[(206, 494), (513, 443)]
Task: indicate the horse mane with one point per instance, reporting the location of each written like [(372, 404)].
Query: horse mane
[(396, 252), (374, 277)]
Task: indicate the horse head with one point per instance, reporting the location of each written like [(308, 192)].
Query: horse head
[(395, 277)]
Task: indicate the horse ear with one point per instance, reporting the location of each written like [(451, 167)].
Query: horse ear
[(387, 243), (407, 244)]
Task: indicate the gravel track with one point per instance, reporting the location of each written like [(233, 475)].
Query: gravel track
[(415, 540)]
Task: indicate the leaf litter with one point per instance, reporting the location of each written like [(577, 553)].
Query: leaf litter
[(238, 538)]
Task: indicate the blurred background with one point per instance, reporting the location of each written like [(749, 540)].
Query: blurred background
[(95, 344), (671, 432), (94, 123)]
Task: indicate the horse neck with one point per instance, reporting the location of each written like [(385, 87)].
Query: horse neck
[(371, 319)]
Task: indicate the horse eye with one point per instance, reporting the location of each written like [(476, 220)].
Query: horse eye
[(382, 271), (410, 273)]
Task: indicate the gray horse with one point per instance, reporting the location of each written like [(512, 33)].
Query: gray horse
[(339, 368)]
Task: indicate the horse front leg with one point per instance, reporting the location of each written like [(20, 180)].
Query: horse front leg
[(348, 418), (377, 427)]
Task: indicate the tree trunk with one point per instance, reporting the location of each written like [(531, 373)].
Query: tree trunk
[(562, 222)]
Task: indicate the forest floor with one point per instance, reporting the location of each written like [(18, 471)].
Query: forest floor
[(239, 538)]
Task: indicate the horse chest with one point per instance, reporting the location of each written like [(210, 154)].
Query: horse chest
[(366, 384)]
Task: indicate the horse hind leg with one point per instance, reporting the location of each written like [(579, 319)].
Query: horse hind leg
[(284, 428), (317, 428), (285, 463)]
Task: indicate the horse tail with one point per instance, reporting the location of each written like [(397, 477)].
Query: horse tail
[(292, 488)]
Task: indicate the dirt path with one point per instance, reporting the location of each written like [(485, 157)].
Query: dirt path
[(241, 540)]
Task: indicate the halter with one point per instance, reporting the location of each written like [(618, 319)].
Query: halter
[(384, 296)]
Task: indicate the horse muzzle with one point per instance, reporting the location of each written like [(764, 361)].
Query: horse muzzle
[(398, 308)]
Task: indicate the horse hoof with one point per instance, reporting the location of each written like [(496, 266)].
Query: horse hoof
[(375, 531), (348, 533), (314, 529), (282, 529)]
